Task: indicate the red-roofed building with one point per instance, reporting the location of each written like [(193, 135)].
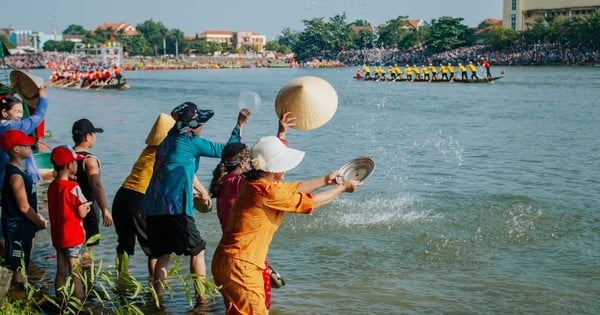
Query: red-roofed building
[(492, 23), (414, 24), (128, 29)]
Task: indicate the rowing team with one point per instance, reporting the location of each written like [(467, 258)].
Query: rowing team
[(97, 76), (423, 73)]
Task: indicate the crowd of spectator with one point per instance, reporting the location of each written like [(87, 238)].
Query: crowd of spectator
[(522, 55)]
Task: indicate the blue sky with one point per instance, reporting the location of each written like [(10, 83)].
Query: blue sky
[(267, 17)]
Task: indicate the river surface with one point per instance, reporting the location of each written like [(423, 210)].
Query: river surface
[(485, 197)]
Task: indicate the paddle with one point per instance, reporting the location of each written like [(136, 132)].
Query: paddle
[(87, 87)]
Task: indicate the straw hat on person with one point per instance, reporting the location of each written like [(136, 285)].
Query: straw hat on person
[(312, 100), (161, 128), (27, 85), (269, 154)]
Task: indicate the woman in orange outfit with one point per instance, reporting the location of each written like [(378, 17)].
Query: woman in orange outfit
[(239, 260)]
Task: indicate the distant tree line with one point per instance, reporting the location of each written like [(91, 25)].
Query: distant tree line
[(335, 34)]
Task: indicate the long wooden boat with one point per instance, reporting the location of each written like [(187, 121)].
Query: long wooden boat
[(115, 85), (470, 81)]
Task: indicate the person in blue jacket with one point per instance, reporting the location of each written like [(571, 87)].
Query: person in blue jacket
[(168, 203), (11, 118)]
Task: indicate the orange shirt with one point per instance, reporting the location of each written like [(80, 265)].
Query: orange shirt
[(257, 214)]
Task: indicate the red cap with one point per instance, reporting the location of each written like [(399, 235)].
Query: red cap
[(64, 155), (13, 138)]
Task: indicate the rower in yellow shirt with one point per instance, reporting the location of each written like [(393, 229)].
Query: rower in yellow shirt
[(463, 71), (416, 72), (398, 73), (392, 73), (367, 72), (473, 71), (433, 71), (450, 71), (409, 73), (425, 72), (444, 72)]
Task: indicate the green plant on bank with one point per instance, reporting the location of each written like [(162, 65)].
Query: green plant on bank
[(26, 303), (106, 290)]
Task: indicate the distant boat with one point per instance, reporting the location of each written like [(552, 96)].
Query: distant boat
[(483, 80), (114, 85)]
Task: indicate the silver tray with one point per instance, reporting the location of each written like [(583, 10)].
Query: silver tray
[(358, 169)]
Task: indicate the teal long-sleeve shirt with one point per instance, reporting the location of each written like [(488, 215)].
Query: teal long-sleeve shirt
[(170, 191)]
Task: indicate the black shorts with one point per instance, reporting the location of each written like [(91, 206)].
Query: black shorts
[(91, 223), (173, 234), (18, 237), (130, 221)]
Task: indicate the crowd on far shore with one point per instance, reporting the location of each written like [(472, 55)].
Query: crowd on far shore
[(519, 55)]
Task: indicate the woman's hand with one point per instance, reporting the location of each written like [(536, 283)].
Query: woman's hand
[(351, 185), (243, 117), (43, 91), (330, 178), (285, 121)]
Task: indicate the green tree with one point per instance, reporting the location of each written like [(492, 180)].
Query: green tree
[(447, 33), (501, 37), (75, 29), (137, 45), (341, 33), (174, 38), (364, 39), (586, 31), (537, 31), (154, 32), (314, 40), (60, 46), (288, 39), (394, 33)]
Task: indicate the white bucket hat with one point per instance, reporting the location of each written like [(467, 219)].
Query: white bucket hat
[(312, 100), (269, 154)]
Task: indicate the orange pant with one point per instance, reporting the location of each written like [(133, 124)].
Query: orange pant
[(243, 286)]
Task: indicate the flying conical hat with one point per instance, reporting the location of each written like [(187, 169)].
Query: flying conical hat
[(313, 101), (159, 131), (27, 85)]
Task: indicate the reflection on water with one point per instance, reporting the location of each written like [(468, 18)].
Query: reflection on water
[(484, 197)]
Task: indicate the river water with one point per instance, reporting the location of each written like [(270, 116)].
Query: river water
[(485, 197)]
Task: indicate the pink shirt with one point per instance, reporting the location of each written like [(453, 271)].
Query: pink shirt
[(230, 189)]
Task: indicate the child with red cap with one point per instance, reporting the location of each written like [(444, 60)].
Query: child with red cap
[(67, 207), (20, 218)]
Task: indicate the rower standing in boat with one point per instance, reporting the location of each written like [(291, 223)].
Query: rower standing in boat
[(367, 71), (444, 71), (486, 65), (416, 72), (451, 71), (473, 71), (409, 73), (425, 72), (392, 73), (398, 73), (433, 71), (463, 71)]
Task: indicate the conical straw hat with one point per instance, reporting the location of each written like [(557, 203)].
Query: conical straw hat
[(159, 131), (312, 100), (27, 85)]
